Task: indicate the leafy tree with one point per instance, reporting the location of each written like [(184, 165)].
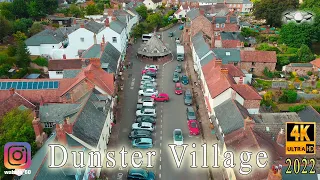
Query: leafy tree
[(41, 61), (304, 54), (51, 6), (247, 32), (297, 108), (16, 126), (23, 55), (289, 96), (75, 11), (6, 10), (36, 9), (5, 27), (11, 51), (22, 25), (19, 9), (266, 47), (35, 28), (268, 73), (282, 61), (155, 20), (100, 7), (272, 10), (310, 4), (92, 9), (19, 36), (294, 35), (142, 11)]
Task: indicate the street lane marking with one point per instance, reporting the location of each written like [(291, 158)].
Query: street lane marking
[(160, 166), (155, 134), (161, 115), (159, 176), (160, 145), (160, 158), (160, 138), (160, 150), (161, 110), (161, 120), (161, 132), (161, 126)]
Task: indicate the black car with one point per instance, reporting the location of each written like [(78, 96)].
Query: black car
[(148, 119), (140, 134), (151, 74)]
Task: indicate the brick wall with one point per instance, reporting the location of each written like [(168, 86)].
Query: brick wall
[(251, 104), (257, 67), (301, 71)]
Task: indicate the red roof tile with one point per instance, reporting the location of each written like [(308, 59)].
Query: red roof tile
[(177, 12), (201, 23), (233, 70), (227, 28), (230, 43), (185, 6), (258, 56), (316, 62), (246, 91), (14, 101), (59, 65)]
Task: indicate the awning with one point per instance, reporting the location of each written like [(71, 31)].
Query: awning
[(208, 104)]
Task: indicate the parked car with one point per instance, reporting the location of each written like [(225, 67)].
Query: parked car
[(161, 97), (152, 74), (145, 99), (177, 137), (148, 66), (147, 82), (187, 96), (191, 114), (145, 70), (193, 126), (147, 78), (142, 143), (178, 68), (148, 119), (181, 27), (146, 112), (148, 86), (146, 105), (178, 88), (143, 126), (142, 174), (177, 40), (140, 134), (184, 80), (176, 77), (171, 34), (148, 92)]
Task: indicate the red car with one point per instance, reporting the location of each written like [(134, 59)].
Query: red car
[(178, 88), (193, 126), (161, 97), (145, 70)]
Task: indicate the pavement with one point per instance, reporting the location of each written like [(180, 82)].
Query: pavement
[(170, 115)]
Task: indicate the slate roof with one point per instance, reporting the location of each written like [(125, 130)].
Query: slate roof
[(258, 56), (90, 122), (111, 56), (117, 26), (133, 4), (46, 36), (122, 19), (59, 65), (93, 52), (231, 36), (229, 116), (207, 59), (221, 53), (309, 114), (56, 112), (220, 20), (94, 26), (300, 65), (154, 43), (71, 73), (69, 30), (193, 13), (156, 1), (14, 101), (201, 47)]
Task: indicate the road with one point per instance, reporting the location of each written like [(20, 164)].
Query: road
[(170, 116)]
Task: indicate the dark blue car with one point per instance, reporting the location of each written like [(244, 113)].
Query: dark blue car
[(184, 80), (138, 173)]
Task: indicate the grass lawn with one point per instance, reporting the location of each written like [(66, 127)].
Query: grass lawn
[(264, 84), (285, 107), (318, 84)]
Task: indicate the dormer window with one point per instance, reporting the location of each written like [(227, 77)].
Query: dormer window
[(222, 25), (144, 49), (216, 33), (217, 26), (165, 49)]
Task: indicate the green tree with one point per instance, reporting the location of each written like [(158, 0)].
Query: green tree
[(304, 54), (155, 20), (6, 10), (282, 61), (294, 35), (51, 6), (142, 11), (5, 27), (272, 10), (289, 96), (23, 55), (12, 50), (75, 11), (36, 9), (247, 32), (19, 9), (19, 36), (100, 6), (22, 25), (35, 28), (310, 4), (16, 126), (92, 9)]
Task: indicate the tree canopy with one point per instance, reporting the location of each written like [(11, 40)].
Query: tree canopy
[(142, 11), (294, 35), (304, 54)]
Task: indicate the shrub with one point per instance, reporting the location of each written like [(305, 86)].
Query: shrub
[(297, 108), (11, 51), (289, 96), (174, 21), (183, 19), (35, 71), (309, 73), (20, 73), (268, 73), (40, 61), (301, 78)]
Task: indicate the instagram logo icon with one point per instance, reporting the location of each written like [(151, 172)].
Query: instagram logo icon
[(17, 155)]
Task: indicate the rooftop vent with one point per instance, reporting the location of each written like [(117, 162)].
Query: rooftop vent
[(227, 53)]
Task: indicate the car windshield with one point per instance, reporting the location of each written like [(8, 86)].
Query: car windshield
[(138, 140), (191, 113), (178, 88), (188, 97), (193, 125), (145, 174)]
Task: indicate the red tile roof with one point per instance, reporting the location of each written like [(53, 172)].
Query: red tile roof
[(230, 43), (201, 23), (316, 62), (227, 28), (177, 12), (59, 65), (258, 56), (233, 70), (246, 91), (15, 100), (185, 6)]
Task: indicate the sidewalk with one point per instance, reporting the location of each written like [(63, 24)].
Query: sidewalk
[(207, 137)]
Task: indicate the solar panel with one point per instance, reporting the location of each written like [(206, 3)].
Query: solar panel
[(45, 85), (50, 85), (35, 85), (55, 84), (8, 85), (40, 85), (24, 85), (19, 86), (29, 85), (14, 85), (3, 85)]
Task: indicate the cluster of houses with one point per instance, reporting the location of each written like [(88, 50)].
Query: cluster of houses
[(225, 67)]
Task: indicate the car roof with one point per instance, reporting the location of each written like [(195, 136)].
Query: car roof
[(148, 140), (190, 108), (149, 110), (136, 170), (163, 94), (188, 91), (146, 123), (178, 84)]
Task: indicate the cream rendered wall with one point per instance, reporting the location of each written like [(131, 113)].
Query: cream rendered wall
[(54, 75), (222, 97)]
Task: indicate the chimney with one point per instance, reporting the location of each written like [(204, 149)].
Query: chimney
[(82, 25), (61, 134), (213, 19), (64, 56), (96, 62), (37, 127), (95, 39), (74, 21), (201, 11), (89, 74), (102, 45), (281, 137), (107, 22), (103, 39), (217, 63), (67, 126), (225, 1), (228, 19), (224, 71), (240, 80), (113, 18), (11, 91), (212, 42)]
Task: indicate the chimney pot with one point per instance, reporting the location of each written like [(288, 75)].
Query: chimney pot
[(201, 11), (81, 25), (107, 22), (74, 21), (64, 56), (96, 62), (224, 71), (37, 127), (281, 137), (217, 63), (11, 91), (113, 18), (228, 19)]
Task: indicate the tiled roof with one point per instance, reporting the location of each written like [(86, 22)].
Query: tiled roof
[(117, 26), (154, 43), (309, 114), (220, 20), (56, 112), (230, 43), (227, 55), (207, 59), (233, 70), (156, 1), (230, 119), (71, 73), (259, 56), (316, 62), (201, 23), (110, 55), (300, 65), (14, 101), (269, 118), (248, 141), (227, 28), (69, 30), (231, 36), (94, 26), (93, 52), (46, 36), (177, 12), (200, 45), (193, 13), (246, 91), (61, 64)]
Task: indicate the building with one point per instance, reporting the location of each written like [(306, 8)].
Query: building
[(316, 64), (227, 23), (61, 21), (58, 67), (154, 49), (228, 55), (256, 61), (182, 11), (229, 40), (301, 69), (152, 4), (309, 114)]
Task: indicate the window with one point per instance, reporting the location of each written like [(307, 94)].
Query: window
[(235, 63), (114, 39), (59, 72), (251, 69), (217, 25), (48, 124), (82, 39), (222, 25), (180, 16), (216, 33), (253, 63), (238, 5)]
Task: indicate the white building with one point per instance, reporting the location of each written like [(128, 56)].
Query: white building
[(152, 4), (182, 12)]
